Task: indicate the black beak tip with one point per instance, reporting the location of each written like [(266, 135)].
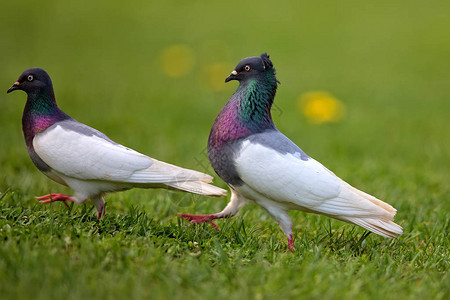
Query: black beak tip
[(231, 77), (11, 89)]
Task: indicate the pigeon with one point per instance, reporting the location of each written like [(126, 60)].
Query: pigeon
[(86, 160), (261, 165)]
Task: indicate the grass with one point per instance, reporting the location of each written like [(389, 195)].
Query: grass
[(387, 62)]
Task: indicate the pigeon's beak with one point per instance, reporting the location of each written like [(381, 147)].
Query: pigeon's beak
[(232, 76), (14, 87)]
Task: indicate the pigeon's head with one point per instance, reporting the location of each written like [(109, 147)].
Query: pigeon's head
[(253, 67), (32, 81)]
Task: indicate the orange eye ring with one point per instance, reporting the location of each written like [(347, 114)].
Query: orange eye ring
[(247, 68)]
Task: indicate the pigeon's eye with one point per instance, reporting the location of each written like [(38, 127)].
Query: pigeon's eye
[(30, 78), (247, 68)]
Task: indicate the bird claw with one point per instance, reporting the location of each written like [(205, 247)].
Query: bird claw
[(54, 197), (214, 225), (201, 219), (291, 244), (101, 212)]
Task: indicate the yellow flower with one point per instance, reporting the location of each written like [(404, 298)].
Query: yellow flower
[(214, 75), (320, 107), (176, 60)]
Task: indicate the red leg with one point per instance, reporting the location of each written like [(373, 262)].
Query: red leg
[(203, 218), (102, 211), (54, 197), (291, 243)]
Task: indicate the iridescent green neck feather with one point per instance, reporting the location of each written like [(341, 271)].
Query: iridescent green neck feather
[(255, 101), (40, 113)]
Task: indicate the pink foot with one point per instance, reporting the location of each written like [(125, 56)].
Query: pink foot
[(201, 219), (102, 211), (291, 243), (54, 197)]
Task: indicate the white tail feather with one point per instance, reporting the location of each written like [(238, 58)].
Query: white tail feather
[(381, 220), (387, 229), (371, 198), (198, 187), (161, 172)]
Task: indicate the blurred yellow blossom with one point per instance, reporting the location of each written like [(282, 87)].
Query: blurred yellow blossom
[(176, 60), (214, 75), (320, 107)]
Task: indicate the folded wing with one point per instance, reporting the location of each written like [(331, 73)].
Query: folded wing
[(289, 178), (81, 152)]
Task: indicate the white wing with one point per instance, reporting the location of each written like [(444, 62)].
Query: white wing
[(81, 152), (307, 184)]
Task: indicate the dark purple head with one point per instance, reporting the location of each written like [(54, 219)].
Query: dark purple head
[(33, 81), (252, 67)]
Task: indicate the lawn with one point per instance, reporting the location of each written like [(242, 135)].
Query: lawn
[(151, 75)]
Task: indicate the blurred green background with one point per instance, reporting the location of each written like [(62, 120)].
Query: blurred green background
[(150, 75)]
